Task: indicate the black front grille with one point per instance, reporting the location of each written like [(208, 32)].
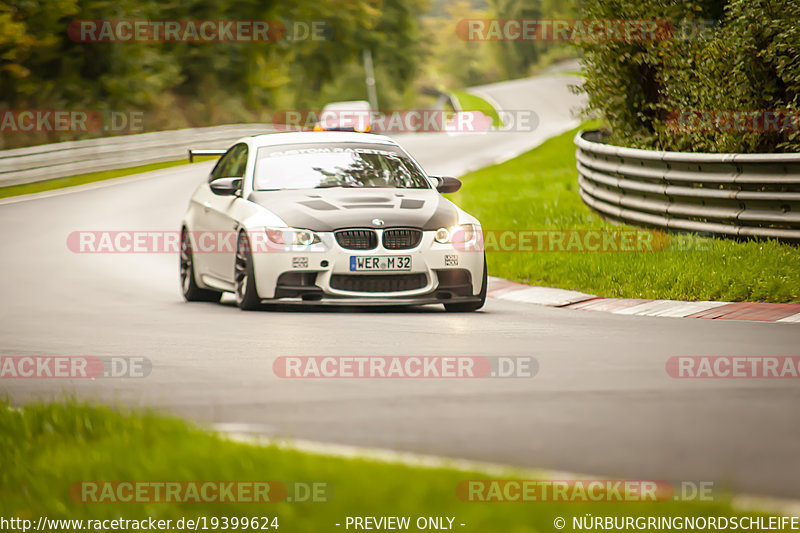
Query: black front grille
[(401, 238), (357, 239), (378, 282)]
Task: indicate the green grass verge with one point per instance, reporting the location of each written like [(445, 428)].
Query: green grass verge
[(538, 191), (471, 102), (91, 177), (45, 449)]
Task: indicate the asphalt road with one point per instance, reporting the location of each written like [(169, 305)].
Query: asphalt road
[(602, 402)]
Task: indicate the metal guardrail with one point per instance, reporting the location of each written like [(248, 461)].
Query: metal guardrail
[(731, 195), (48, 161)]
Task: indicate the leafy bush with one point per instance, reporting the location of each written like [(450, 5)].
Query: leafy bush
[(746, 57), (180, 84)]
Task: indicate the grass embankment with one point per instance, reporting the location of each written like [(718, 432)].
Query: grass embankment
[(91, 177), (473, 102), (538, 191), (45, 449)]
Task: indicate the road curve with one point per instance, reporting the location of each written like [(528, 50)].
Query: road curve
[(602, 402)]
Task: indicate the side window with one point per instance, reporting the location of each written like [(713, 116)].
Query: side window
[(232, 164), (223, 162), (238, 161)]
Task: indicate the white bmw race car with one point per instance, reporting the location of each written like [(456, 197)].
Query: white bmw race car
[(328, 218)]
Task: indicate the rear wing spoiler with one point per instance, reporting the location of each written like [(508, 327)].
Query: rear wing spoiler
[(201, 153)]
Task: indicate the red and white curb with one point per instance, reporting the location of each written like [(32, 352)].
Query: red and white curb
[(765, 312)]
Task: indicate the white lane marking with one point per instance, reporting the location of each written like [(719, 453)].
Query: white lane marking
[(545, 296), (242, 428), (669, 308), (373, 454), (791, 318), (743, 502)]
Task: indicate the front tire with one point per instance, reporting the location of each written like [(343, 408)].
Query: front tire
[(192, 292), (468, 307), (244, 279)]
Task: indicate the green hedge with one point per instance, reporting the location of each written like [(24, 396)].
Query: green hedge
[(745, 57)]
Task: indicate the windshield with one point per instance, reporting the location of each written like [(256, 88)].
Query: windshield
[(343, 165)]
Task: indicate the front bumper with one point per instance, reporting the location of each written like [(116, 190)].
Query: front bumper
[(320, 274)]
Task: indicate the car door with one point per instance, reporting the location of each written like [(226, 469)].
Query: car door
[(218, 214), (201, 203)]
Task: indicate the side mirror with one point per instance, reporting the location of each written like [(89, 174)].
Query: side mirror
[(447, 184), (226, 186)]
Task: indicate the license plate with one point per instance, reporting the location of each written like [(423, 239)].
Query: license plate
[(384, 263)]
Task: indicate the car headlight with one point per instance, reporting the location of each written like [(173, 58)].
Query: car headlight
[(442, 235), (292, 236), (460, 233)]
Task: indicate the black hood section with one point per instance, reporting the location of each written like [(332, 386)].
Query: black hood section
[(338, 208)]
